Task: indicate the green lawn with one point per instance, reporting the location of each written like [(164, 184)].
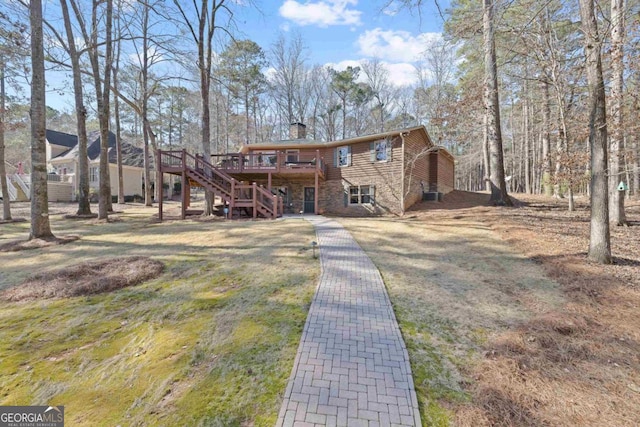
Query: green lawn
[(210, 342)]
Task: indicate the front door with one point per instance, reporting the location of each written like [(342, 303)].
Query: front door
[(309, 200)]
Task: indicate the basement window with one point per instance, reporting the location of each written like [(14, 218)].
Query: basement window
[(361, 195)]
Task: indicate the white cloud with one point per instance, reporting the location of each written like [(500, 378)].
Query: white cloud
[(400, 74), (342, 65), (153, 56), (322, 13), (269, 73), (285, 27), (395, 46), (391, 9)]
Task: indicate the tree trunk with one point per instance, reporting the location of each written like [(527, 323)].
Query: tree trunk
[(546, 141), (499, 194), (102, 89), (636, 167), (486, 161), (6, 202), (40, 227), (116, 115), (104, 199), (84, 206), (206, 30), (148, 191), (599, 240), (616, 165), (526, 140)]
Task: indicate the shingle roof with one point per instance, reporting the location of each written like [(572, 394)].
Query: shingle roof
[(131, 155), (62, 139)]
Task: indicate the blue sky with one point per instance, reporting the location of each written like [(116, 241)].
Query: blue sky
[(342, 32), (336, 32)]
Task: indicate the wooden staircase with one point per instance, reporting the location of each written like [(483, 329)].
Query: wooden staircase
[(236, 196)]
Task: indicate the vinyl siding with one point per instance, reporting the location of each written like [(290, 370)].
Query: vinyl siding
[(385, 176), (417, 168)]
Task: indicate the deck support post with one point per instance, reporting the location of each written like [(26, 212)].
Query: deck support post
[(315, 194), (232, 198), (269, 181), (275, 207), (159, 182), (255, 199), (185, 184)]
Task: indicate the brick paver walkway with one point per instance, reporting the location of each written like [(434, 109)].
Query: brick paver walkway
[(352, 367)]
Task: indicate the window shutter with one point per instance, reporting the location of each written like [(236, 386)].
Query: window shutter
[(372, 150), (346, 196), (372, 194), (348, 155), (335, 157), (389, 148)]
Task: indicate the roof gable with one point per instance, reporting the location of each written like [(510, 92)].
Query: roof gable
[(60, 138), (131, 155)]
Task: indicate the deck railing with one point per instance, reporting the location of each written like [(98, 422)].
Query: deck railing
[(237, 194), (276, 161)]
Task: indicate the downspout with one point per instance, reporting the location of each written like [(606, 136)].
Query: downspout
[(402, 135)]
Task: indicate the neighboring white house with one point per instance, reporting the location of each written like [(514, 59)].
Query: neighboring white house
[(62, 160)]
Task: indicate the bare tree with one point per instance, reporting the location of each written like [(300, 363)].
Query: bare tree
[(289, 80), (40, 226), (599, 240), (145, 62), (499, 194), (116, 106), (102, 85), (84, 207), (13, 54), (4, 187), (377, 77), (206, 15), (617, 164)]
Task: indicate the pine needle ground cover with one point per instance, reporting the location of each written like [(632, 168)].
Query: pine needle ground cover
[(210, 341), (505, 321)]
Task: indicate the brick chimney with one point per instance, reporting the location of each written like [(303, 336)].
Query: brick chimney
[(297, 131)]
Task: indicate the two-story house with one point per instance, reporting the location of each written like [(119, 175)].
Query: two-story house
[(374, 174), (62, 157), (385, 172)]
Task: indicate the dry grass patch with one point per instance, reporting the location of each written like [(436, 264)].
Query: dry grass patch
[(86, 279), (25, 245), (506, 322)]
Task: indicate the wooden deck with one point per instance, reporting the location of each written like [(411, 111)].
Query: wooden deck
[(236, 196), (306, 164)]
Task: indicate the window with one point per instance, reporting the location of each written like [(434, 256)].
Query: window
[(292, 156), (361, 195), (343, 156), (381, 151), (93, 174)]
